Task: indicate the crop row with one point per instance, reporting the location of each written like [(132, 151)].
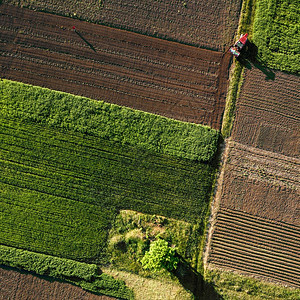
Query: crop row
[(108, 121), (82, 274), (99, 169), (255, 246), (265, 225)]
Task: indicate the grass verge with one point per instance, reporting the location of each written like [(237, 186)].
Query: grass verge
[(150, 288), (245, 26), (232, 286)]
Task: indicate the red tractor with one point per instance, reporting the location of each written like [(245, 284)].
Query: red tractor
[(238, 46)]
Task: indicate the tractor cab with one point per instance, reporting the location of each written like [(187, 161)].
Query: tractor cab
[(238, 46)]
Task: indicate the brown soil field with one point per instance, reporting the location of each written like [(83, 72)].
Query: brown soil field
[(268, 113), (15, 285), (256, 246), (210, 24), (255, 227), (261, 183), (162, 77)]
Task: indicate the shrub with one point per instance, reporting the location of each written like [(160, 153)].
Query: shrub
[(160, 256)]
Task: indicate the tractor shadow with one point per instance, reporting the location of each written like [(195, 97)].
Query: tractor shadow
[(194, 282), (249, 58)]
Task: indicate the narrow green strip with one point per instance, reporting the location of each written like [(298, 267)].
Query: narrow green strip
[(112, 122)]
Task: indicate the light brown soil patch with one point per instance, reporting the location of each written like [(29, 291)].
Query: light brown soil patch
[(149, 74), (256, 246), (268, 113), (262, 183), (19, 286)]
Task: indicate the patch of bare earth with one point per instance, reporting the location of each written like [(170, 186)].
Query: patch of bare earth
[(257, 224), (19, 286), (153, 75), (268, 113)]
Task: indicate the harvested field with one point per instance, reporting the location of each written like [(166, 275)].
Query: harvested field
[(129, 69), (20, 285), (209, 24), (268, 113)]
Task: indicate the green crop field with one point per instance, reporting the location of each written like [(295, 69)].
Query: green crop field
[(276, 33), (107, 121), (60, 189)]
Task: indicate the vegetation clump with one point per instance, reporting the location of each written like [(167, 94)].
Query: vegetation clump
[(133, 233), (160, 256)]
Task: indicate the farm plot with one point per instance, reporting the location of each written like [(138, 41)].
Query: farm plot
[(129, 69), (60, 190), (209, 24), (268, 113), (262, 183), (255, 246), (276, 27), (257, 223), (23, 285)]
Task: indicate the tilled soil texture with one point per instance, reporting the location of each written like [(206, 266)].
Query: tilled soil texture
[(256, 229), (20, 286), (210, 24), (162, 77), (262, 183), (258, 220), (255, 246), (268, 113)]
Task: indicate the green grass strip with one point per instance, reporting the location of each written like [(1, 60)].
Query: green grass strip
[(276, 34), (231, 286), (82, 274), (112, 122), (236, 76)]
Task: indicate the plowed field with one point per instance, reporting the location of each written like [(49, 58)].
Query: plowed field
[(257, 246), (149, 74), (257, 223), (268, 113), (20, 286), (262, 183), (209, 23)]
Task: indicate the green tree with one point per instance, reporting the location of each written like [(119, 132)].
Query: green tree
[(160, 256)]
